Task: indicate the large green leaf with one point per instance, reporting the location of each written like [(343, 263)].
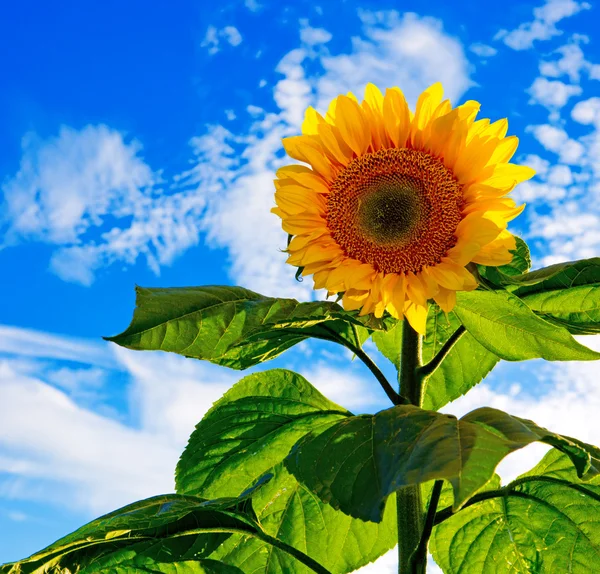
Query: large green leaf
[(235, 327), (560, 276), (466, 365), (249, 432), (545, 522), (577, 308), (356, 463), (166, 533), (507, 327), (389, 343)]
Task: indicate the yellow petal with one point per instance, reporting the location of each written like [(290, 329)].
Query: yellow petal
[(353, 299), (505, 150), (428, 101), (351, 123), (304, 176), (505, 173), (473, 159), (498, 252), (388, 286), (446, 299), (293, 202), (452, 276), (311, 118), (314, 253), (417, 317), (333, 145), (395, 305), (303, 148), (302, 224), (415, 290), (396, 116), (498, 129), (320, 278), (374, 97), (430, 285), (361, 278)]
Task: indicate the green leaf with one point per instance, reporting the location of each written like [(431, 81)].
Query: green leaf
[(389, 343), (249, 432), (561, 276), (546, 522), (356, 463), (509, 273), (235, 327), (467, 364), (288, 510), (160, 534), (507, 327), (576, 309)]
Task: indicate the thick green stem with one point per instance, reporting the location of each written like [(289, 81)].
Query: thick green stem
[(409, 503)]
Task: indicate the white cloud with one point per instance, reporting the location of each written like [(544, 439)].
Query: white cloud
[(70, 183), (571, 63), (543, 26), (406, 51), (54, 450), (556, 139), (252, 5), (560, 175), (552, 94), (90, 195), (483, 50), (587, 112), (313, 36), (38, 344), (213, 36)]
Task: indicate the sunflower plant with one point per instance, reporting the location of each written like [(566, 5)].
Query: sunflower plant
[(403, 218)]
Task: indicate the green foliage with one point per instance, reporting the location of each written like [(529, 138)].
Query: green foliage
[(545, 522), (560, 276), (249, 432), (467, 364), (276, 478), (235, 327), (356, 463), (507, 327), (567, 294), (389, 343), (169, 533)]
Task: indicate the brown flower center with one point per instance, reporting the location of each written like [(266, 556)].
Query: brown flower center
[(396, 209)]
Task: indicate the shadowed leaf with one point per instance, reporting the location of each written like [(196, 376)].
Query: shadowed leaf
[(356, 463)]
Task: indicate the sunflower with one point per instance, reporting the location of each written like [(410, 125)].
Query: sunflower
[(393, 206)]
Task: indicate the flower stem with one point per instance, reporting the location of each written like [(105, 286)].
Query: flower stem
[(409, 505)]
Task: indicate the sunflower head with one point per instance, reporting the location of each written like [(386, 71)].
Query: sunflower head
[(392, 205)]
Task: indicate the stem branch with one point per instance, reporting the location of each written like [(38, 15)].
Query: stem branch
[(385, 384), (428, 369), (420, 554)]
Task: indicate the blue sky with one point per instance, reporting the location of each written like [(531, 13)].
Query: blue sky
[(138, 146)]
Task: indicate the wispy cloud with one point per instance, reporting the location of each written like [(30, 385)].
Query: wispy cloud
[(543, 27), (213, 37), (483, 50)]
